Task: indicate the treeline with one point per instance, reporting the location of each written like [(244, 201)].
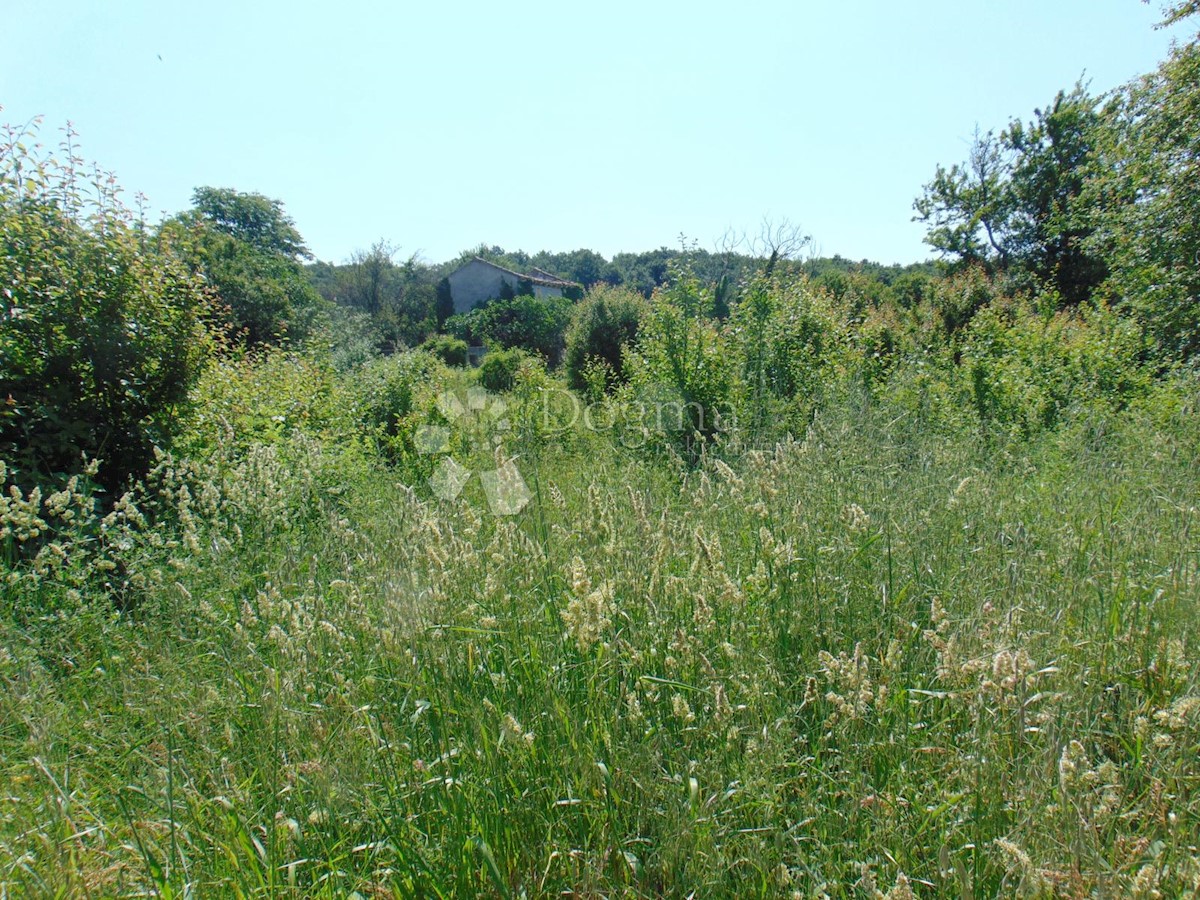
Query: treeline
[(1089, 211), (408, 299), (1093, 199)]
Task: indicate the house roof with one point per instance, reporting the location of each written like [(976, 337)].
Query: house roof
[(537, 276)]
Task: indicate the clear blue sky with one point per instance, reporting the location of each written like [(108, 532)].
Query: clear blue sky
[(557, 125)]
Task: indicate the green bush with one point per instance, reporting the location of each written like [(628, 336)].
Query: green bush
[(685, 371), (101, 332), (603, 326), (1023, 371), (462, 326), (498, 371), (957, 298), (261, 397), (450, 350), (533, 324), (384, 391), (786, 339), (352, 337)]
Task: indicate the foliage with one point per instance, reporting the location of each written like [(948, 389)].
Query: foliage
[(462, 327), (101, 331), (534, 324), (1147, 190), (368, 279), (443, 304), (353, 337), (498, 370), (683, 366), (261, 397), (449, 350), (251, 219), (388, 399), (247, 250), (267, 298), (409, 318), (786, 335), (1026, 370), (1018, 205), (399, 298), (644, 272), (966, 206), (384, 391), (585, 267), (604, 325), (955, 300), (1051, 217)]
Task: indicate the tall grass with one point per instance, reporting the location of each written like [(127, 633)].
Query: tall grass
[(880, 659)]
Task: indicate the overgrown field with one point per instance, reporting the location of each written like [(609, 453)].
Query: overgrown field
[(725, 574), (879, 657)]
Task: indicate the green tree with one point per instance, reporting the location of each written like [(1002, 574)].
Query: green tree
[(604, 326), (644, 271), (967, 207), (535, 324), (370, 278), (584, 266), (249, 252), (250, 218), (443, 303), (1018, 206), (101, 326), (408, 317), (1147, 191), (1051, 219)]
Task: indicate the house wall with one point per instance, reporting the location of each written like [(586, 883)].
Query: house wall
[(478, 281), (474, 282), (544, 290)]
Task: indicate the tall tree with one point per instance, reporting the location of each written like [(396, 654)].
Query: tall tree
[(371, 278), (1147, 191), (443, 304), (249, 252), (1018, 205), (1051, 219), (250, 218), (967, 206)]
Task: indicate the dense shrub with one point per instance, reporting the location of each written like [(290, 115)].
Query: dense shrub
[(685, 374), (1023, 370), (498, 371), (450, 350), (262, 397), (353, 337), (384, 392), (958, 297), (533, 324), (101, 332), (603, 326), (786, 338)]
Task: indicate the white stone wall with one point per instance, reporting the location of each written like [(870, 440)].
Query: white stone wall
[(544, 290), (478, 281)]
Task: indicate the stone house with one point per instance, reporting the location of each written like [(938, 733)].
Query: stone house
[(479, 280)]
